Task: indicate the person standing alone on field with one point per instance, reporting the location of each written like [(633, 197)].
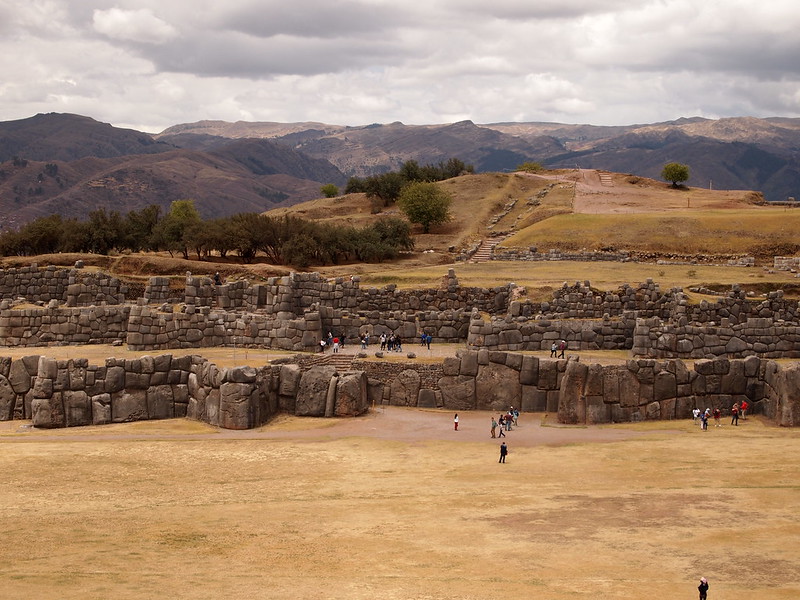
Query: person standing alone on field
[(455, 422), (494, 427), (703, 588), (503, 452)]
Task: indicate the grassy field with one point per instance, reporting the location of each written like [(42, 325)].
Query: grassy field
[(757, 231), (179, 510), (541, 278)]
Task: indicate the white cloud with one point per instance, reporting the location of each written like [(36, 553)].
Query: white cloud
[(134, 25), (151, 64)]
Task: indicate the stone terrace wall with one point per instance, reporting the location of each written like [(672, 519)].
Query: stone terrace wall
[(449, 326), (149, 329), (71, 286), (756, 336), (291, 295), (648, 389), (63, 326), (65, 393), (580, 301), (638, 390), (786, 263), (525, 334), (555, 255), (68, 393)]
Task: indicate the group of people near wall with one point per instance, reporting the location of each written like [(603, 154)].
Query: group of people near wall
[(737, 411)]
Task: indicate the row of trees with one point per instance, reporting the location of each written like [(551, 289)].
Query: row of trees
[(282, 240), (387, 187)]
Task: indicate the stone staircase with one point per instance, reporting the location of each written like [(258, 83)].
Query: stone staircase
[(605, 179), (484, 251), (340, 360)]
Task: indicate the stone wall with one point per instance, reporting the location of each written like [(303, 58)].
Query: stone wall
[(63, 326), (651, 390), (291, 295), (786, 263), (638, 390), (151, 329), (533, 255), (70, 393), (520, 333), (70, 286), (756, 336), (65, 393)]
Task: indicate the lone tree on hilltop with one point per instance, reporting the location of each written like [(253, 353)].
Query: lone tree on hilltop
[(676, 173), (329, 190), (425, 203)]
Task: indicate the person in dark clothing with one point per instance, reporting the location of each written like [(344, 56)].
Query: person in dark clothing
[(503, 452), (703, 588), (217, 279)]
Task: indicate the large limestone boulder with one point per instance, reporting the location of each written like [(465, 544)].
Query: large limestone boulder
[(77, 408), (48, 413), (404, 389), (351, 395), (571, 399), (101, 409), (129, 406), (19, 377), (160, 402), (788, 388), (312, 392), (237, 405), (8, 399), (458, 392), (497, 387)]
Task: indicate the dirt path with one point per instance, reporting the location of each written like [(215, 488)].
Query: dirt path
[(410, 425)]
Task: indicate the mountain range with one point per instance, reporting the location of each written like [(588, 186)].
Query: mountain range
[(70, 164)]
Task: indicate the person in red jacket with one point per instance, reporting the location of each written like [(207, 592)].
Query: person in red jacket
[(743, 410)]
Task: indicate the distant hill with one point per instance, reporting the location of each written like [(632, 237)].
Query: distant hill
[(64, 137), (71, 164), (736, 153)]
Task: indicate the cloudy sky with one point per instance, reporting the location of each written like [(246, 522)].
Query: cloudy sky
[(149, 64)]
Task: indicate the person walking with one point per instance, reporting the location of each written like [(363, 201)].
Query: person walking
[(735, 414), (503, 452), (494, 427), (554, 350), (695, 415), (703, 588), (455, 422), (717, 417), (743, 410), (562, 346), (502, 424), (704, 421)]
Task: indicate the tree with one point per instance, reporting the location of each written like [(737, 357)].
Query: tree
[(170, 231), (530, 167), (675, 172), (329, 190), (425, 203)]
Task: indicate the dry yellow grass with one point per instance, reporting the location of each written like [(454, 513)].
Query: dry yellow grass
[(348, 512), (730, 231), (541, 278)]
